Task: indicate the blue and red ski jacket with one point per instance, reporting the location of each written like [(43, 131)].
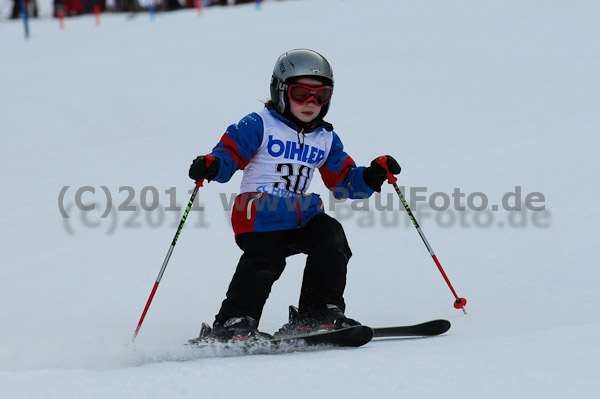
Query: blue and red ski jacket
[(278, 161)]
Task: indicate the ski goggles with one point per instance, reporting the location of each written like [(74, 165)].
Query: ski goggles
[(303, 93)]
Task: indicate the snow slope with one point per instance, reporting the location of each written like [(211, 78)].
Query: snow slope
[(479, 96)]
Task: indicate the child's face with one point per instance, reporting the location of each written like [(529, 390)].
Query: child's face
[(309, 111)]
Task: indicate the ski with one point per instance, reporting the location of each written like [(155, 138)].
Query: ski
[(354, 336), (348, 337), (427, 329)]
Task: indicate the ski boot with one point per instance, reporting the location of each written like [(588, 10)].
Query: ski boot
[(328, 318), (235, 329)]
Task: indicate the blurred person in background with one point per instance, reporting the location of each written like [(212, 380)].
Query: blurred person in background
[(68, 7), (32, 9)]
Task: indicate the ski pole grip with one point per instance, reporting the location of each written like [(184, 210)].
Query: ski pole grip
[(209, 159), (382, 161)]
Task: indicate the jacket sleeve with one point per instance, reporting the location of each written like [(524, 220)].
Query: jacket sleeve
[(341, 175), (238, 145)]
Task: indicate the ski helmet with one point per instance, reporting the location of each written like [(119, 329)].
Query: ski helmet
[(293, 65)]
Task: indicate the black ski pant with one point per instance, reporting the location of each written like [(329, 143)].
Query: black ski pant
[(263, 261)]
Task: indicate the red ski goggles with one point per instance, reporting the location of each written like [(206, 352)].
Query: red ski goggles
[(304, 93)]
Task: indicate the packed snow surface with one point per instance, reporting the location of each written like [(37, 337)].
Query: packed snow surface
[(498, 100)]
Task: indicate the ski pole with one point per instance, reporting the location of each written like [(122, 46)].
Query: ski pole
[(209, 159), (25, 15), (460, 302)]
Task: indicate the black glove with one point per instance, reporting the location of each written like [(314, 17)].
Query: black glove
[(200, 168), (376, 174)]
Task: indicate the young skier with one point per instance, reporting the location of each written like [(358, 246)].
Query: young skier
[(274, 217)]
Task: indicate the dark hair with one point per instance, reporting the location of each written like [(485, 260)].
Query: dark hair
[(270, 104)]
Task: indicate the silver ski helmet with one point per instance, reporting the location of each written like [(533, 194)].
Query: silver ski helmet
[(293, 65)]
